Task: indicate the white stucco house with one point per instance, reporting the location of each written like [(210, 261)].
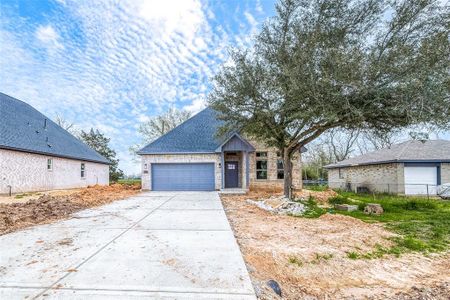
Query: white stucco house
[(37, 155)]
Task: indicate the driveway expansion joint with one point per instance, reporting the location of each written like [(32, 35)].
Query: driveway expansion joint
[(102, 248)]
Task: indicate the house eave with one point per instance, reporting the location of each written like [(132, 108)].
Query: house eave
[(53, 154), (175, 153)]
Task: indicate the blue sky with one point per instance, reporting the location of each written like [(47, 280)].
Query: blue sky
[(113, 64)]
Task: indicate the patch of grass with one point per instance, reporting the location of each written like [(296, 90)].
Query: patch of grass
[(317, 187), (129, 181), (20, 196), (295, 261), (423, 224), (352, 255), (312, 210), (321, 257)]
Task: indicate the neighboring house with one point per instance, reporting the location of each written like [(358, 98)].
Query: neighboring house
[(411, 168), (193, 157), (36, 154)]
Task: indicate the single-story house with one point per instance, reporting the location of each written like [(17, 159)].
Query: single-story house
[(194, 157), (37, 155), (411, 168)]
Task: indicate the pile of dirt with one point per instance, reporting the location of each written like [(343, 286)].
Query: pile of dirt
[(48, 208), (309, 257)]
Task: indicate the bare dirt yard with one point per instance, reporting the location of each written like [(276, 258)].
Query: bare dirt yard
[(29, 209), (308, 257)]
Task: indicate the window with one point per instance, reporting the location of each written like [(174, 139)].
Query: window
[(261, 154), (280, 169), (341, 174), (83, 171), (261, 165), (49, 164)]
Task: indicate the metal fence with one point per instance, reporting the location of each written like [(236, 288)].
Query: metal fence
[(426, 190)]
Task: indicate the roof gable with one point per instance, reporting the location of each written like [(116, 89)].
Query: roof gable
[(196, 135), (410, 151), (23, 128), (235, 143)]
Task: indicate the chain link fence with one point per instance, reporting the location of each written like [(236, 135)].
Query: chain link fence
[(426, 190)]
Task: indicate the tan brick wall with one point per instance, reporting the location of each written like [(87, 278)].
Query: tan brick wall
[(445, 173), (26, 172), (216, 158), (272, 158), (178, 158), (380, 178)]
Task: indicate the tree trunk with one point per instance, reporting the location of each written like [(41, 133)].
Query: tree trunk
[(287, 166)]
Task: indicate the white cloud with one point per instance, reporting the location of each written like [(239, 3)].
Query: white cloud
[(48, 36), (130, 60)]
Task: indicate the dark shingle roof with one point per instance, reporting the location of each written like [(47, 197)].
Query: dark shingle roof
[(196, 135), (22, 129), (410, 151)]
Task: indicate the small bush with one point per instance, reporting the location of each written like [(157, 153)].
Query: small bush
[(352, 255)]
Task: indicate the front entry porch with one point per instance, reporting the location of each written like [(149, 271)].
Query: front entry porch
[(235, 164)]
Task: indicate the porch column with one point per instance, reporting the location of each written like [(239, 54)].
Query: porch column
[(247, 170), (222, 167), (244, 171)]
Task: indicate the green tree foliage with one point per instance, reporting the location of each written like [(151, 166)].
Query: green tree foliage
[(99, 142), (367, 64)]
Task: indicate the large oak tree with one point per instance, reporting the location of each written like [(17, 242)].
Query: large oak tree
[(318, 65)]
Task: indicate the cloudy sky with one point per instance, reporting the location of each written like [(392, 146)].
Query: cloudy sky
[(113, 64)]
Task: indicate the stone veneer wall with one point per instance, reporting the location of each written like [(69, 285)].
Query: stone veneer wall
[(379, 178), (177, 158), (27, 172), (445, 173), (272, 181)]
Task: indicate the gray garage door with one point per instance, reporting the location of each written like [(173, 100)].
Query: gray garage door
[(183, 177)]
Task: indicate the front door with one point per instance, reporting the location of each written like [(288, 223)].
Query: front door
[(231, 174)]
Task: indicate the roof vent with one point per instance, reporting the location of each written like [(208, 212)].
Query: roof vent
[(37, 131), (45, 123)]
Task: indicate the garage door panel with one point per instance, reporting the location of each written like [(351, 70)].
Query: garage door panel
[(420, 180), (183, 177)]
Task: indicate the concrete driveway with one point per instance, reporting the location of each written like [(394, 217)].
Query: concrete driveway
[(164, 245)]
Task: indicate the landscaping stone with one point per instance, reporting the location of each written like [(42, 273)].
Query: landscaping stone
[(373, 209), (274, 286), (280, 205), (346, 207)]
